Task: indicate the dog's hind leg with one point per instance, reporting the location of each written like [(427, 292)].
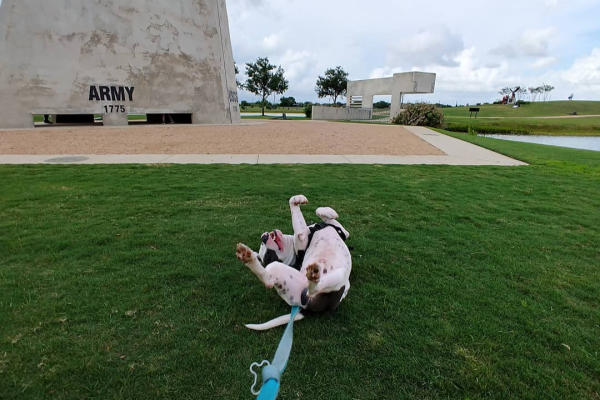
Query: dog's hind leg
[(288, 281), (329, 216), (326, 213), (321, 280)]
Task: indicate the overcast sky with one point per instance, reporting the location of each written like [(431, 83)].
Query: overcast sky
[(475, 47)]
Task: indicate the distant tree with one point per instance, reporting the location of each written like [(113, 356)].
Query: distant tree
[(333, 84), (533, 93), (505, 91), (381, 104), (547, 89), (521, 91), (308, 109), (287, 102), (265, 79)]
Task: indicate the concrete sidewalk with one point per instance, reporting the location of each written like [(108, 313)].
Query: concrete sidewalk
[(457, 152)]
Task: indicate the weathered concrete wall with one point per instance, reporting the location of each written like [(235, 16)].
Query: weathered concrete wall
[(340, 113), (397, 86), (176, 55)]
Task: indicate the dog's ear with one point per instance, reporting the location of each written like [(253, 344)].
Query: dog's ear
[(264, 237), (269, 257)]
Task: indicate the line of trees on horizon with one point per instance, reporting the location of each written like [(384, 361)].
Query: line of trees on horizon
[(265, 79), (541, 93)]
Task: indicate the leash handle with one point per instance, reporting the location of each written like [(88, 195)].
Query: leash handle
[(271, 372), (255, 364)]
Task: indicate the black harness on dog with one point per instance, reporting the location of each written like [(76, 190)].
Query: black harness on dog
[(315, 228)]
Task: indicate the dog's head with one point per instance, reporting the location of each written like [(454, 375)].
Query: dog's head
[(275, 246)]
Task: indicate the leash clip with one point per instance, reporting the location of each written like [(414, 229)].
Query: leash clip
[(255, 364)]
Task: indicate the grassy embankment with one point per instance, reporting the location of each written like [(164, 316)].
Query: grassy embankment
[(527, 118), (468, 282)]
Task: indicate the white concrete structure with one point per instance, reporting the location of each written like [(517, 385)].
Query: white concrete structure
[(114, 57), (360, 93), (340, 113)]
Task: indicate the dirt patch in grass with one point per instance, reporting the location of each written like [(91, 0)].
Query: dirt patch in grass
[(270, 137)]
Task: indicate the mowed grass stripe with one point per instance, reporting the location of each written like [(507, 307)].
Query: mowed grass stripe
[(478, 282), (498, 118), (533, 109)]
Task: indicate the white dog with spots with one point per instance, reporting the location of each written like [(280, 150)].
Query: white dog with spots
[(310, 268)]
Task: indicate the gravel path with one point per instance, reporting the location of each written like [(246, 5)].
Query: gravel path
[(269, 137)]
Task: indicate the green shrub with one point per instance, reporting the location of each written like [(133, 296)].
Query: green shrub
[(479, 129), (308, 110), (420, 114)]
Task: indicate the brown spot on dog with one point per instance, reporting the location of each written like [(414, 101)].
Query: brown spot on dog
[(312, 272)]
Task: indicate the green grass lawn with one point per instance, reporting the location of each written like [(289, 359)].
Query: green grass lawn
[(526, 119), (588, 126), (537, 109), (120, 282)]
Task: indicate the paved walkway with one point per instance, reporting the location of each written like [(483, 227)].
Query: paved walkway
[(456, 152)]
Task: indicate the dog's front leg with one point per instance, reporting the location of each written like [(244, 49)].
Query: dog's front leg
[(250, 259), (298, 223)]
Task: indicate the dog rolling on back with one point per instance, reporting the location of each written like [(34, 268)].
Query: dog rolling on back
[(310, 268)]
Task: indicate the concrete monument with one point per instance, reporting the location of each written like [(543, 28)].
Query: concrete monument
[(360, 93), (74, 59)]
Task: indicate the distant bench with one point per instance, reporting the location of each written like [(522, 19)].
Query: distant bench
[(473, 110)]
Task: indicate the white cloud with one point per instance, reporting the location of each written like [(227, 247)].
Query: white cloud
[(585, 72), (434, 46), (535, 42), (466, 74), (531, 43), (297, 64), (472, 75), (544, 62), (271, 42)]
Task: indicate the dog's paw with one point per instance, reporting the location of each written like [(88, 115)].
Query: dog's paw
[(326, 213), (313, 273), (243, 253), (298, 199)]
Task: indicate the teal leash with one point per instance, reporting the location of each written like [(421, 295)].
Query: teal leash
[(272, 371)]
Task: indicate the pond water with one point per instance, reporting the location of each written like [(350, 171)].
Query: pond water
[(575, 142)]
